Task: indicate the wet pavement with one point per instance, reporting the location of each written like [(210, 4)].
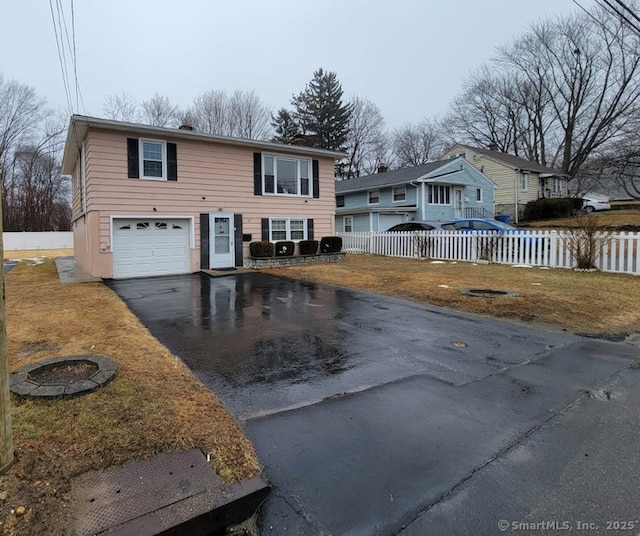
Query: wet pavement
[(374, 415)]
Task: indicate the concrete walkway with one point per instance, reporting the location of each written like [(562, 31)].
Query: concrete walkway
[(70, 272)]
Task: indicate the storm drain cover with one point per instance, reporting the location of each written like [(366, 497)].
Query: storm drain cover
[(488, 293)]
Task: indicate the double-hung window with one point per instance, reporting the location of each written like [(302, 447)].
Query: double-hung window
[(374, 197), (479, 195), (525, 181), (285, 175), (153, 160), (439, 194), (399, 193), (287, 229)]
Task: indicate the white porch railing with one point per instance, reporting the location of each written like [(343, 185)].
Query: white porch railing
[(617, 252)]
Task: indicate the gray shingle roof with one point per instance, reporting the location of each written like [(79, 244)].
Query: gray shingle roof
[(397, 176), (514, 161)]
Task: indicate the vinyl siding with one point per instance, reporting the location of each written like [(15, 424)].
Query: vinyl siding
[(211, 177)]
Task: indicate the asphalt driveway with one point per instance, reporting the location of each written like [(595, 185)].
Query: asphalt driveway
[(373, 415)]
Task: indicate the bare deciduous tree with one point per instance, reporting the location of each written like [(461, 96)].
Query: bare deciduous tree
[(367, 143), (562, 91), (242, 114), (417, 144), (121, 107), (159, 112)]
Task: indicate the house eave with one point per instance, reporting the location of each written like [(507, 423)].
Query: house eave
[(80, 124)]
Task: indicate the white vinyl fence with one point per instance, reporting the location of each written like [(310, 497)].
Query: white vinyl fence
[(43, 240), (616, 252)]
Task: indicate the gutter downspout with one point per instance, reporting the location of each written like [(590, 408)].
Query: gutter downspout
[(515, 196), (421, 193)]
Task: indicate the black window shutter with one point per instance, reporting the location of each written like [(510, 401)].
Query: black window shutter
[(204, 241), (316, 178), (237, 225), (310, 229), (265, 229), (257, 173), (172, 162), (132, 158)]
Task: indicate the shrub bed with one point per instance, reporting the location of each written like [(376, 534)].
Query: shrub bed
[(261, 249)]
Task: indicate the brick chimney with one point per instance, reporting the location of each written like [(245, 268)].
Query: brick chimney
[(493, 146), (186, 126), (300, 140), (383, 168)]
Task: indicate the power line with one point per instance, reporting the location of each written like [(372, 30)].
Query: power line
[(61, 60), (631, 12), (620, 14), (75, 60)]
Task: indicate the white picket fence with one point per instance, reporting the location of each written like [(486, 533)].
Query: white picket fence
[(616, 252)]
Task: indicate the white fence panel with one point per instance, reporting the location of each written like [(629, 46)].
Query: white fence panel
[(616, 252), (42, 240)]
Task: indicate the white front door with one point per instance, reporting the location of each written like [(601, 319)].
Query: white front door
[(221, 247), (458, 200)]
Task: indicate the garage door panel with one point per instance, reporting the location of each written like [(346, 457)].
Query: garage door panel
[(147, 247)]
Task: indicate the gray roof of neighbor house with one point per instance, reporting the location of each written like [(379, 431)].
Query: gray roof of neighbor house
[(389, 178), (513, 161), (79, 124)]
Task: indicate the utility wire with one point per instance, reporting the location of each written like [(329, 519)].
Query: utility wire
[(60, 59), (620, 14), (631, 12), (79, 98)]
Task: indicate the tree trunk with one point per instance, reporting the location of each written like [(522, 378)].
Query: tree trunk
[(6, 438)]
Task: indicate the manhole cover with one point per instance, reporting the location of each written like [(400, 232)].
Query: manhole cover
[(62, 376), (488, 293)]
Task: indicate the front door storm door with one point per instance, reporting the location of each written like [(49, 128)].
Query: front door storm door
[(221, 240)]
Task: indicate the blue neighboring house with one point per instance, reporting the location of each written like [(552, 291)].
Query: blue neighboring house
[(441, 190)]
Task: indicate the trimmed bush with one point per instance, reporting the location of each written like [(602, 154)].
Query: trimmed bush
[(285, 248), (331, 244), (261, 249), (308, 247), (544, 209)]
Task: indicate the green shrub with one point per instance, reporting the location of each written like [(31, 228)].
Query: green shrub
[(261, 249), (285, 248), (308, 247), (331, 244)]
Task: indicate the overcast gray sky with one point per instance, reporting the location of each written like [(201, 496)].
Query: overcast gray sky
[(408, 56)]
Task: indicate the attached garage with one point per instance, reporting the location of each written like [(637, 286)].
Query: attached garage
[(150, 246)]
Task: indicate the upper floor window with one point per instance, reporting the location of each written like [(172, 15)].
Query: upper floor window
[(399, 193), (439, 194), (286, 175), (374, 197), (152, 159), (339, 200)]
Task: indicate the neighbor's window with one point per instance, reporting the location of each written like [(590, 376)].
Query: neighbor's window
[(286, 175), (439, 194), (525, 181), (348, 224), (374, 197), (399, 193), (153, 164), (287, 229), (479, 195), (557, 185), (339, 200)]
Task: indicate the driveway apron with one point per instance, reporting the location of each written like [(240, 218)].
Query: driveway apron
[(374, 415)]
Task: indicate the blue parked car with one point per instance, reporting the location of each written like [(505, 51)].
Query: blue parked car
[(482, 224)]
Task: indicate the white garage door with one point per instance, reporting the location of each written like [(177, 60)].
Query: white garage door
[(145, 247), (389, 220)]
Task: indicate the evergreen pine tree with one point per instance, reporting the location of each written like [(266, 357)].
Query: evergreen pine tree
[(321, 114), (285, 126)]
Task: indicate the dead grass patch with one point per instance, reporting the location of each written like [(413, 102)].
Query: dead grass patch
[(38, 253), (593, 302), (154, 404)]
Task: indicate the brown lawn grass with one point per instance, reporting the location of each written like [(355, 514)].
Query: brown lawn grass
[(606, 218), (154, 404), (37, 253), (593, 303)]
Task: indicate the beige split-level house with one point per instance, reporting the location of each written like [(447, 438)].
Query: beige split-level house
[(155, 201), (517, 180)]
